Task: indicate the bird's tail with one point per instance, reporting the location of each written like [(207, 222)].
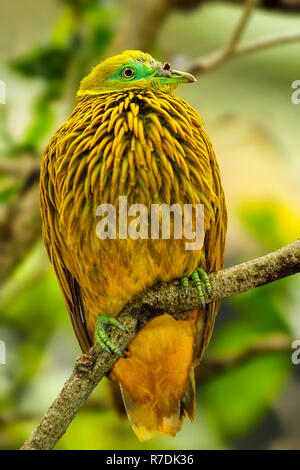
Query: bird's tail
[(157, 379)]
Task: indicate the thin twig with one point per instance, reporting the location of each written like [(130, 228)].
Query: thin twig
[(234, 49), (213, 366), (206, 64), (239, 29), (90, 368), (218, 57)]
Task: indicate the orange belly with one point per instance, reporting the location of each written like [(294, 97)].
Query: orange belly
[(157, 379)]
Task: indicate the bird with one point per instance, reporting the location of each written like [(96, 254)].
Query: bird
[(129, 135)]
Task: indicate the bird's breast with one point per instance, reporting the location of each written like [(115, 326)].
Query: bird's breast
[(148, 149)]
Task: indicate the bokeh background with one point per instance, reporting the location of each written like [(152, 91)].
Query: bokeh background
[(248, 388)]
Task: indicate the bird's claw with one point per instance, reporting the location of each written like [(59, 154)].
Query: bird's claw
[(102, 337), (199, 276)]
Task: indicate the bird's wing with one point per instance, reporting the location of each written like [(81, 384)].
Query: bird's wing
[(214, 242), (54, 243), (72, 295)]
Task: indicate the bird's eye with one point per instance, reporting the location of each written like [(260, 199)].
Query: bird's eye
[(128, 72)]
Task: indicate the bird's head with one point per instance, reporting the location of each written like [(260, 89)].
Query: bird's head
[(132, 69)]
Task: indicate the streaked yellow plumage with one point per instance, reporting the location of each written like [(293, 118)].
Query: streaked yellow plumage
[(139, 140)]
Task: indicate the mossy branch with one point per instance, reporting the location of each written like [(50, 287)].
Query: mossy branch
[(90, 368)]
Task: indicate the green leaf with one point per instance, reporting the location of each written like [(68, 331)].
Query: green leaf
[(49, 62), (237, 399), (43, 115), (8, 192), (271, 222), (258, 315)]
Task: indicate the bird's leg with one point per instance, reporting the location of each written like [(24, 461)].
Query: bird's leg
[(102, 337), (204, 278), (197, 276)]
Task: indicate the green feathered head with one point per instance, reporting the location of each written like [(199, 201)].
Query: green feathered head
[(132, 69)]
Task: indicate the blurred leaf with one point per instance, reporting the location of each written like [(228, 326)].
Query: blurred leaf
[(6, 141), (258, 315), (43, 115), (7, 192), (99, 21), (237, 399), (64, 28), (48, 62), (100, 40), (271, 222)]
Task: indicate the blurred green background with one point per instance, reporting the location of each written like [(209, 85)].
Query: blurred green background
[(248, 388)]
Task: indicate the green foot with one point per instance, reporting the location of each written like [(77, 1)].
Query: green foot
[(197, 276), (101, 336)]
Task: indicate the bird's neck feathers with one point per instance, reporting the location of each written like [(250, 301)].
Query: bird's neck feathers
[(155, 87)]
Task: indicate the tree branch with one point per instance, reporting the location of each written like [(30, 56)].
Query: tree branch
[(140, 23), (206, 64), (212, 366), (240, 27), (207, 369), (233, 49), (20, 220), (90, 368)]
